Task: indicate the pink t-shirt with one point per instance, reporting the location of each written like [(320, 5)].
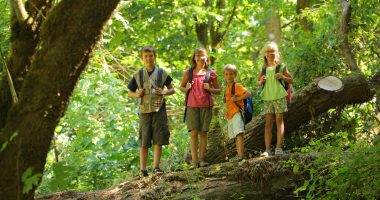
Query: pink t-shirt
[(198, 96)]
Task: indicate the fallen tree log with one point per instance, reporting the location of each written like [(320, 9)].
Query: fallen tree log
[(307, 104), (253, 179)]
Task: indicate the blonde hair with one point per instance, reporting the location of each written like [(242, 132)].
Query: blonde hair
[(271, 47), (230, 67)]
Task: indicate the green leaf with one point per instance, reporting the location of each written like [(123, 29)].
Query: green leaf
[(30, 180)]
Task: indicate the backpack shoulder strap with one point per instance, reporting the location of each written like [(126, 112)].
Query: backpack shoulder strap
[(233, 89), (233, 93), (159, 78), (208, 75), (263, 71), (278, 68), (141, 77), (190, 79)]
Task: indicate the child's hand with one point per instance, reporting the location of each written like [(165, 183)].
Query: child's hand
[(160, 91), (279, 76), (188, 86), (233, 98), (263, 79), (140, 93), (206, 86)]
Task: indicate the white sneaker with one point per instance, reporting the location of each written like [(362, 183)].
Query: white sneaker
[(265, 154), (278, 151)]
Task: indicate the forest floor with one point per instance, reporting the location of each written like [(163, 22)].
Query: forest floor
[(256, 178)]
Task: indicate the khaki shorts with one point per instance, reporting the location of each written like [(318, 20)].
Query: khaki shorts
[(153, 127), (275, 106), (235, 125), (198, 119)]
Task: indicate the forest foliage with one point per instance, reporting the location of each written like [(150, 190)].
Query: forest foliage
[(96, 142)]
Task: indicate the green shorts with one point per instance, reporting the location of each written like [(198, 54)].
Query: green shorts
[(275, 106), (153, 127), (198, 119)]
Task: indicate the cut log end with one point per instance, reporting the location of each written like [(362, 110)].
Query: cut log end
[(330, 83)]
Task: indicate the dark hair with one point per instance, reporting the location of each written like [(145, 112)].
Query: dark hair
[(192, 60), (148, 49)]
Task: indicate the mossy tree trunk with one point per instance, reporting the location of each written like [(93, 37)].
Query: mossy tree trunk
[(46, 62)]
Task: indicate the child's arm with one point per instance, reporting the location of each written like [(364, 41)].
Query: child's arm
[(169, 91), (137, 94), (244, 96), (287, 76), (215, 87), (261, 79), (185, 86)]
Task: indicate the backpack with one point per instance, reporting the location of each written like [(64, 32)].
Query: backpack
[(246, 112), (207, 79), (287, 86)]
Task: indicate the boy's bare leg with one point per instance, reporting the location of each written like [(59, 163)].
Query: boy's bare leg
[(280, 129), (240, 145), (157, 155), (202, 145), (268, 131), (194, 145), (143, 157)]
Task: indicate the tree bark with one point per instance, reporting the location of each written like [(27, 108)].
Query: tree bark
[(273, 26), (67, 38), (301, 5), (344, 30), (209, 33), (307, 103), (24, 39), (254, 179)]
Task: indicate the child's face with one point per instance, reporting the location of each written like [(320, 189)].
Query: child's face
[(148, 58), (271, 55), (199, 57), (229, 76)]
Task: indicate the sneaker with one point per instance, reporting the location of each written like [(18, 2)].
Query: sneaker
[(265, 154), (141, 174), (278, 151), (203, 164), (235, 159), (157, 171), (194, 165)]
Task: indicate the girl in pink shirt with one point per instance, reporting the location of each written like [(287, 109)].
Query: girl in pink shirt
[(199, 92)]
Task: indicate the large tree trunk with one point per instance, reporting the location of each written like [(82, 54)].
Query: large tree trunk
[(273, 26), (24, 39), (307, 103), (67, 38)]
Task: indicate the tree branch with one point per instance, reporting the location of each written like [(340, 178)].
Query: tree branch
[(228, 24), (346, 15), (19, 8)]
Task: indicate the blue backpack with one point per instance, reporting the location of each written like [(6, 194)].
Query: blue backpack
[(246, 112)]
